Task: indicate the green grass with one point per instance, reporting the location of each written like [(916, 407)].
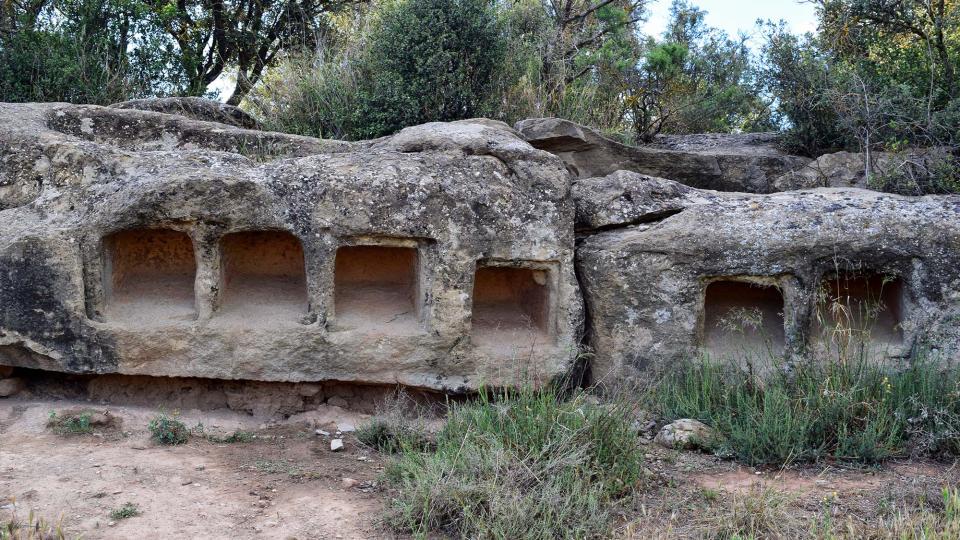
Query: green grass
[(523, 465), (168, 430), (853, 412), (128, 510)]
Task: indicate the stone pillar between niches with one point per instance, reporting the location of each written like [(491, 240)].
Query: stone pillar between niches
[(207, 284)]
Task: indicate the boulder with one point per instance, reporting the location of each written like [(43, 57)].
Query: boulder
[(686, 434), (670, 272), (144, 243), (196, 108), (848, 169), (721, 162), (11, 386)]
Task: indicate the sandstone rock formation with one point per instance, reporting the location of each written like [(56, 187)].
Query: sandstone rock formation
[(138, 242), (447, 256), (849, 169), (669, 271), (748, 163), (195, 108)]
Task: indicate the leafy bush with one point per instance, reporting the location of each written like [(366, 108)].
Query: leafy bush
[(522, 465), (77, 423), (167, 430), (415, 61)]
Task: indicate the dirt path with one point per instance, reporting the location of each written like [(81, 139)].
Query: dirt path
[(284, 484)]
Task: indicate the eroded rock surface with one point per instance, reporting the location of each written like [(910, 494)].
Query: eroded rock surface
[(138, 242), (736, 275), (193, 107), (748, 163)]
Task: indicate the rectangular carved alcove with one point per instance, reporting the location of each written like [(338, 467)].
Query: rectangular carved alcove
[(511, 306), (743, 319), (377, 288), (263, 277), (860, 309), (148, 275)]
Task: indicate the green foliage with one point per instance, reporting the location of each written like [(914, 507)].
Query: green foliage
[(849, 411), (128, 510), (70, 50), (391, 435), (428, 60), (238, 436), (797, 74), (168, 430), (70, 423), (521, 465), (414, 61), (696, 79)]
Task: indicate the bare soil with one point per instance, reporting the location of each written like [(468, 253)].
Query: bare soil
[(285, 483)]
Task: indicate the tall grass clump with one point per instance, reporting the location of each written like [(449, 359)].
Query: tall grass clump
[(521, 464), (853, 411)]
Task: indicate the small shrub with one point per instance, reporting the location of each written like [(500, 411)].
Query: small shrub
[(70, 423), (389, 437), (167, 430), (128, 510), (399, 424), (525, 465), (237, 436)]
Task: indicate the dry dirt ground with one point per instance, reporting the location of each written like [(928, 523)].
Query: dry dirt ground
[(286, 483)]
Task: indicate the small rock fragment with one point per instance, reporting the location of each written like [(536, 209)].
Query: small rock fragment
[(336, 445), (349, 482)]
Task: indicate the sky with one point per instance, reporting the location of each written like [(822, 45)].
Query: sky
[(733, 16)]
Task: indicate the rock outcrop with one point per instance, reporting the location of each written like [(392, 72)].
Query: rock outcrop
[(138, 242), (445, 257), (670, 271), (849, 169), (195, 108), (747, 163)]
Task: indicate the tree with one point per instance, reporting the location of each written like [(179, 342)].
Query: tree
[(74, 50), (427, 60), (695, 79), (855, 28), (247, 35)]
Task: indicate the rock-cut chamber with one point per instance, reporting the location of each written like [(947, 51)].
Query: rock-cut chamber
[(149, 276), (743, 319)]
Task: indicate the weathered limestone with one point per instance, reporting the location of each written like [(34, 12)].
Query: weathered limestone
[(662, 265), (143, 243), (748, 163)]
